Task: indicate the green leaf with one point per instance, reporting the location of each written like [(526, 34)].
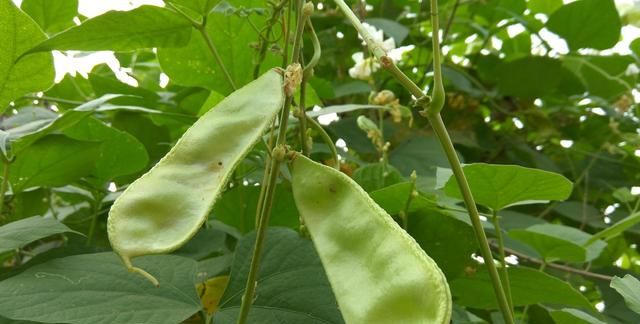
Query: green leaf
[(449, 241), (629, 288), (422, 154), (544, 6), (573, 316), (376, 176), (232, 35), (52, 15), (26, 134), (97, 288), (292, 289), (393, 199), (529, 77), (558, 242), (143, 27), (237, 208), (617, 228), (53, 161), (120, 153), (587, 24), (500, 186), (603, 76), (21, 75), (202, 7), (528, 287), (20, 233)]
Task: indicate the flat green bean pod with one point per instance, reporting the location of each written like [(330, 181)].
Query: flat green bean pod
[(164, 208), (379, 274)]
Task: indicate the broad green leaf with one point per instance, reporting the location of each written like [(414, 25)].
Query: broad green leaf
[(26, 134), (629, 288), (20, 233), (21, 75), (496, 10), (617, 228), (143, 27), (422, 154), (207, 242), (544, 6), (393, 198), (376, 176), (202, 7), (529, 77), (587, 24), (292, 289), (53, 161), (120, 152), (52, 15), (623, 195), (579, 212), (528, 287), (449, 241), (232, 35), (500, 186), (97, 288), (573, 316), (603, 76), (558, 242), (237, 208)]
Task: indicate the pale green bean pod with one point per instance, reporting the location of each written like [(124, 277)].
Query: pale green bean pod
[(378, 272), (163, 209)]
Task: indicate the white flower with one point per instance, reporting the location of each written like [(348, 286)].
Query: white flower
[(363, 68)]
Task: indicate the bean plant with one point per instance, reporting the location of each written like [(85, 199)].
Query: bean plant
[(328, 161)]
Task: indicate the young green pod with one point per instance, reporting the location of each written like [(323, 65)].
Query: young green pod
[(379, 274), (164, 208)]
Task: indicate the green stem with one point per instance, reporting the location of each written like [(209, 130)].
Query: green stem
[(438, 95), (94, 219), (503, 268), (327, 139), (264, 40), (404, 214), (267, 204), (441, 131), (196, 24), (4, 185), (433, 114), (306, 75), (202, 28)]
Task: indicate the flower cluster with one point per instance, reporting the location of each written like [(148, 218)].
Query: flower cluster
[(364, 67)]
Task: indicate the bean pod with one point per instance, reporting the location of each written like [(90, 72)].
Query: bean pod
[(379, 274), (164, 208)]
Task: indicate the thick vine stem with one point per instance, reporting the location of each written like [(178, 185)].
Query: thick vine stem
[(306, 75), (265, 206), (432, 112), (503, 269), (327, 139), (438, 95), (443, 136)]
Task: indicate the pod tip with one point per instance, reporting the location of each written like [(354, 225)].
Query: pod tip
[(139, 271)]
